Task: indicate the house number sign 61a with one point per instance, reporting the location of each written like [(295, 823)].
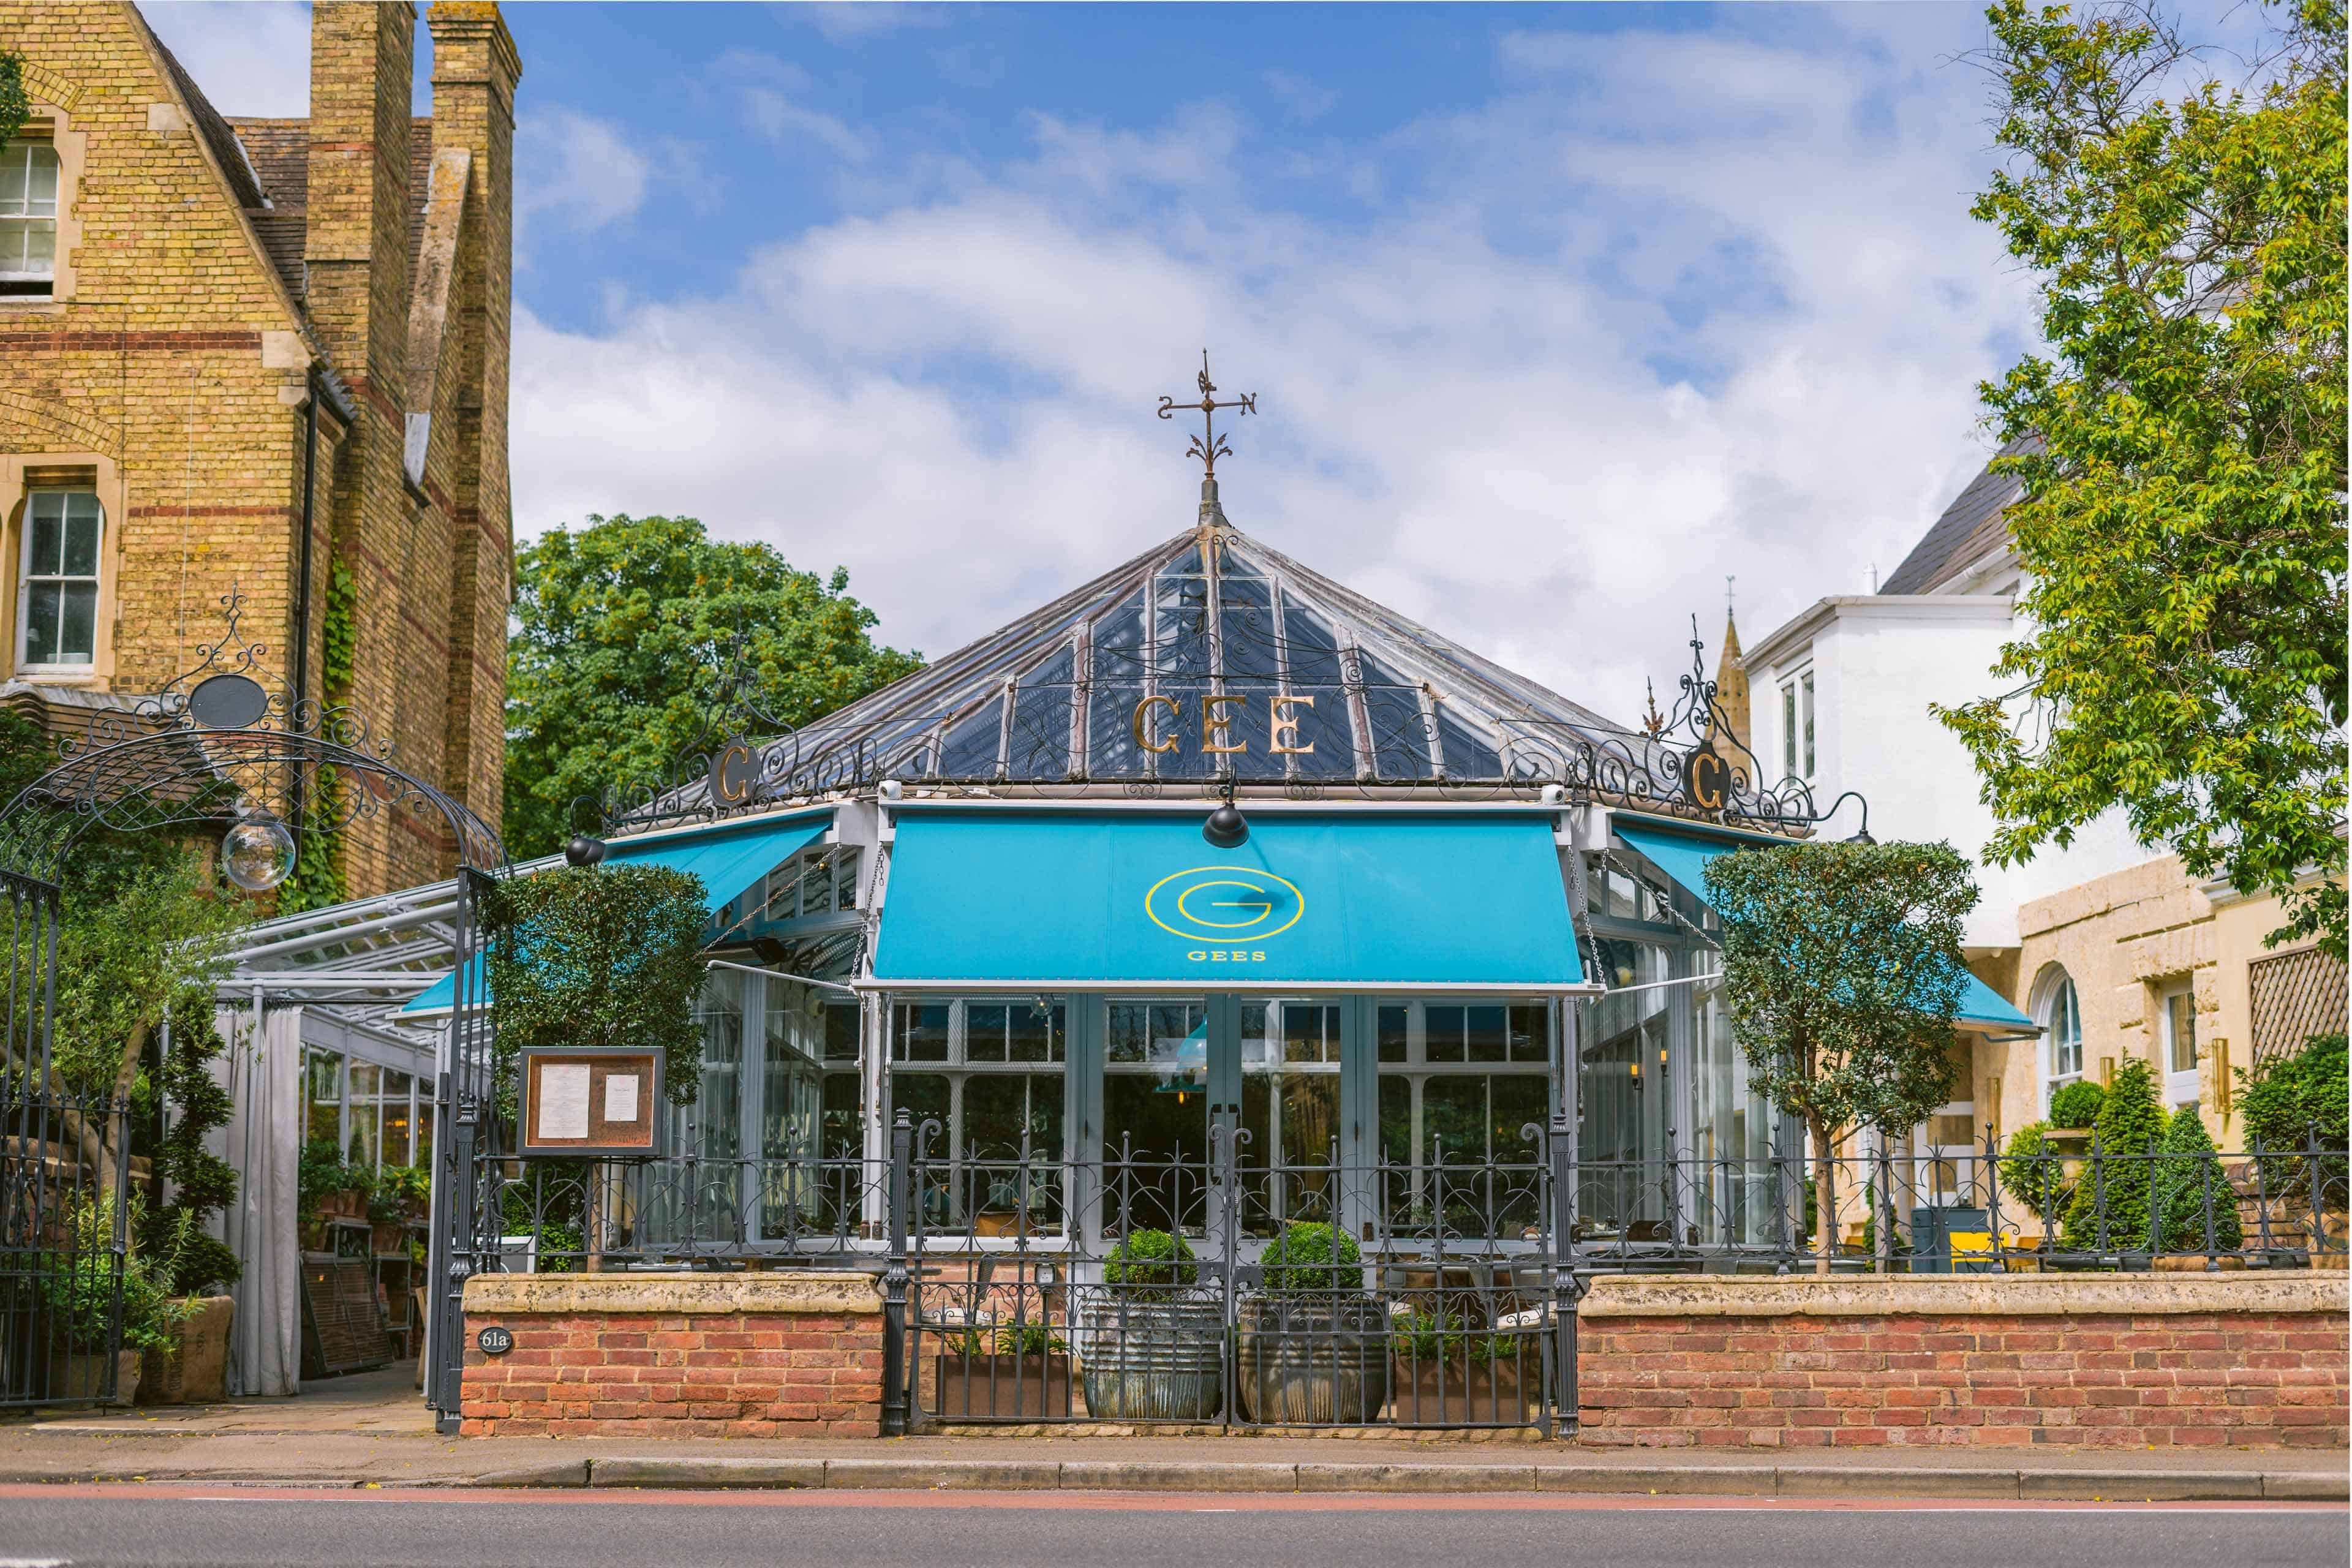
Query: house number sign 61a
[(1216, 737)]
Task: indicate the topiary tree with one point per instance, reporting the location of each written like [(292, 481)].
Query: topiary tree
[(1150, 1266), (1842, 966), (599, 956), (2076, 1105), (202, 1182), (2129, 1129), (1309, 1258), (2032, 1173), (2189, 1179)]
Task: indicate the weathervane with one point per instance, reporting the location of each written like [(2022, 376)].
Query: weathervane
[(1209, 445)]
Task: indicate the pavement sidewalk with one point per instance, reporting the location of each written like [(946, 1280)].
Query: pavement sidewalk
[(371, 1431)]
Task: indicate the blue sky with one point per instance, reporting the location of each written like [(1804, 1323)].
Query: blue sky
[(1556, 315)]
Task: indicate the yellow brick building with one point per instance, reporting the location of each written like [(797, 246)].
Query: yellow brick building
[(272, 354)]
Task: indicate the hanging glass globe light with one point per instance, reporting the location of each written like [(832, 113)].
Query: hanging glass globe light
[(258, 853)]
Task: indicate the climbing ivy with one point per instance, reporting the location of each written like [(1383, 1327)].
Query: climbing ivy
[(317, 878), (15, 108)]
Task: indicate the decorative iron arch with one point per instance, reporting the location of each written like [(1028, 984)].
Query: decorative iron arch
[(225, 743)]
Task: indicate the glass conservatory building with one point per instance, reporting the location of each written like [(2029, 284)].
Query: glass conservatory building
[(1209, 847)]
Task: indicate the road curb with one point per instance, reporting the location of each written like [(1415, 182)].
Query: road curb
[(663, 1472), (1795, 1481)]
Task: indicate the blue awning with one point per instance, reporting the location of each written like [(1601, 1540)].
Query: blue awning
[(729, 858), (1683, 855), (1136, 900)]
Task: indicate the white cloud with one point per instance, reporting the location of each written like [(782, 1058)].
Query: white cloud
[(844, 21), (576, 170), (1607, 337), (250, 58)]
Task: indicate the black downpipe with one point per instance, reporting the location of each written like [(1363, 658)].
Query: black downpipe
[(303, 582)]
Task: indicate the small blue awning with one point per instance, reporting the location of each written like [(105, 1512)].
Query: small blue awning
[(1136, 900), (729, 858), (1684, 855)]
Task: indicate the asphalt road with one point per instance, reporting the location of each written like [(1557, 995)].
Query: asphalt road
[(74, 1526)]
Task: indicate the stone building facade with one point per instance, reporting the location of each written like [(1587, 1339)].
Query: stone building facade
[(267, 356)]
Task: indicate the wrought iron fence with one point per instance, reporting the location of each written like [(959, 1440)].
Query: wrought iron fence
[(2065, 1205), (1193, 1287), (64, 1245), (1215, 1288)]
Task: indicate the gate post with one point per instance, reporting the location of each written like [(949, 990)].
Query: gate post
[(897, 1414), (451, 1262), (1561, 1220)]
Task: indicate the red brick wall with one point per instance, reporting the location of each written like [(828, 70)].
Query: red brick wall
[(2090, 1380), (734, 1374)]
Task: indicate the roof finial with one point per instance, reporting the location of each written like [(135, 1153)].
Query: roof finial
[(1209, 445), (1728, 582)]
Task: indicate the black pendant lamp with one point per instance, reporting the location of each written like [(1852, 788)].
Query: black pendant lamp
[(1227, 827)]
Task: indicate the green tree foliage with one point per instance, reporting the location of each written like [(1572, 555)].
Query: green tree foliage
[(142, 926), (2183, 514), (2289, 1103), (613, 667), (599, 956), (2188, 1182), (1842, 966), (2130, 1128), (2032, 1172), (202, 1182), (15, 108), (2076, 1104)]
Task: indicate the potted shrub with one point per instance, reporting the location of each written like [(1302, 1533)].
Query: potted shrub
[(1151, 1343), (398, 1201), (201, 1184), (2074, 1108), (78, 1290), (1021, 1370), (1312, 1346), (1447, 1375)]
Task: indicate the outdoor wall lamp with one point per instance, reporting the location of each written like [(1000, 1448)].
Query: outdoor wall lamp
[(582, 850), (1227, 827), (1857, 796)]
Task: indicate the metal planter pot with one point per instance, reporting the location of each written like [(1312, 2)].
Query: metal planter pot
[(1151, 1361), (1313, 1363)]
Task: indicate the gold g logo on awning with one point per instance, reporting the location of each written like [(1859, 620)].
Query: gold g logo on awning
[(1232, 904)]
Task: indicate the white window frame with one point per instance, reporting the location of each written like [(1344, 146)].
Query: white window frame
[(27, 577), (1788, 729), (1805, 688), (2182, 1085), (2054, 1075), (25, 213)]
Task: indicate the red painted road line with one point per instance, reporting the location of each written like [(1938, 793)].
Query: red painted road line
[(1142, 1502)]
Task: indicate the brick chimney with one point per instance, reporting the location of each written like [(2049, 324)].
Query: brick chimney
[(475, 69), (355, 249)]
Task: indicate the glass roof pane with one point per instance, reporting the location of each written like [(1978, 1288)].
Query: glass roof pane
[(1117, 655), (1181, 633), (1040, 721), (1399, 738), (1313, 651), (1468, 754), (971, 751), (1245, 614)]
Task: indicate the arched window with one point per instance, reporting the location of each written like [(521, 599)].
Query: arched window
[(2061, 1015)]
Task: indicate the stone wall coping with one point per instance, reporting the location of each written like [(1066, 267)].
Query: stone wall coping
[(697, 1294), (1962, 1294)]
